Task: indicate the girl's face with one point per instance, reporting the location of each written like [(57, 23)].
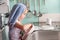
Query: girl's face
[(23, 15)]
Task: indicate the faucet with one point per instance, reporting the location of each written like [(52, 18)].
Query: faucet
[(49, 21)]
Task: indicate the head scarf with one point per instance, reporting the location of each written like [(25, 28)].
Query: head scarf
[(16, 12)]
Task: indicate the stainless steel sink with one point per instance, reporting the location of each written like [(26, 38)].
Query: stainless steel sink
[(44, 35)]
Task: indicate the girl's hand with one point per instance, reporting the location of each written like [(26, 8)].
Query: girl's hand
[(27, 27)]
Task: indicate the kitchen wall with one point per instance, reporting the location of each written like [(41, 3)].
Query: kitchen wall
[(51, 6), (11, 3), (55, 17)]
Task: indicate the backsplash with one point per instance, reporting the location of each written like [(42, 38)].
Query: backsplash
[(53, 23), (54, 17)]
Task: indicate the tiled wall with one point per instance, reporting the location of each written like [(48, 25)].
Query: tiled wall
[(54, 16)]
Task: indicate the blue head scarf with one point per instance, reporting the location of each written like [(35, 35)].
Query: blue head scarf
[(16, 12)]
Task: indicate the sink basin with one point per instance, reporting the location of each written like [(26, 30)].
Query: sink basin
[(44, 35), (41, 28)]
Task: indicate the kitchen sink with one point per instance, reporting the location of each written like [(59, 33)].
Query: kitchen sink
[(44, 35)]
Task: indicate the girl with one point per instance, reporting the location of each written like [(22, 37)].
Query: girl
[(18, 13)]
